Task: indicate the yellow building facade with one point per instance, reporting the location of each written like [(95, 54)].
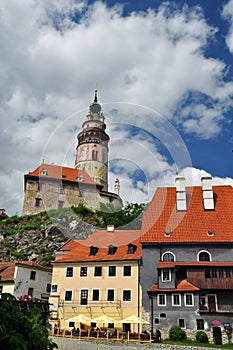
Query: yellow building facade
[(98, 279)]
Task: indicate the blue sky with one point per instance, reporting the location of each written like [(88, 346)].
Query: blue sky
[(165, 76)]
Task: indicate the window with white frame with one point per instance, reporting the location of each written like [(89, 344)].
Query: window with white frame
[(176, 300), (161, 299), (95, 294), (112, 271), (166, 275), (168, 256), (188, 299), (203, 255), (83, 271), (127, 270), (68, 295), (98, 271), (69, 272), (110, 296), (126, 295), (84, 296)]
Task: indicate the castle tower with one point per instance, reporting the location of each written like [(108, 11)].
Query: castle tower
[(92, 148)]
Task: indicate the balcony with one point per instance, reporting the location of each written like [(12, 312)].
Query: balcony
[(100, 303)]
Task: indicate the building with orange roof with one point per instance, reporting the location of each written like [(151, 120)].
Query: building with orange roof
[(187, 256), (52, 186), (25, 279), (99, 276)]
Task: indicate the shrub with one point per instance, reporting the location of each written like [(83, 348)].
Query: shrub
[(201, 337), (177, 334)]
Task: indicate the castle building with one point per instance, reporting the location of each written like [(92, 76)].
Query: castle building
[(52, 186)]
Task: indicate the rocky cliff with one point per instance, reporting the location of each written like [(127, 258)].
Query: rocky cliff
[(37, 237)]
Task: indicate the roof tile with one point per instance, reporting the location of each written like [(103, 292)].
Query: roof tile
[(192, 225)]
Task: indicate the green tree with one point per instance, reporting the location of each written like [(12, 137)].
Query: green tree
[(129, 216), (22, 330)]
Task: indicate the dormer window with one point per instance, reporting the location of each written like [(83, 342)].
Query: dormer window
[(93, 250), (43, 172), (210, 233), (131, 248), (167, 234), (112, 250)]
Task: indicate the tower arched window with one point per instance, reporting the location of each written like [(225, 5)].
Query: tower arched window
[(168, 256), (203, 255)]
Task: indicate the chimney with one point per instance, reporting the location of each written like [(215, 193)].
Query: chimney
[(181, 202), (208, 196), (110, 228), (117, 187)]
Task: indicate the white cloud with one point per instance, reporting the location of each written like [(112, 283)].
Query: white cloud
[(53, 53), (227, 12)]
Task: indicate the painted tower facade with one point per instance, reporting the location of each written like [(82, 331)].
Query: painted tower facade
[(92, 148)]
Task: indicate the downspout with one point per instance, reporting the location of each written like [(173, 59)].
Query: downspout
[(139, 281), (152, 315)]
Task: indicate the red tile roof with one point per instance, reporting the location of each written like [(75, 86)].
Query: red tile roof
[(62, 173), (33, 264), (194, 224), (102, 240), (183, 286), (7, 269), (72, 243)]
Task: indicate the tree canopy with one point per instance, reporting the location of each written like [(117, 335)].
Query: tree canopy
[(22, 330)]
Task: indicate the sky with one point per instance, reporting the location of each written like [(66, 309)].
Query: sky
[(164, 75)]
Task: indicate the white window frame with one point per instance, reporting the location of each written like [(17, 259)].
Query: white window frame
[(115, 271), (70, 267), (173, 296), (185, 300), (114, 295), (123, 267), (165, 299), (101, 271), (127, 301), (204, 251), (68, 290), (168, 252), (81, 298), (169, 278), (83, 276), (95, 301)]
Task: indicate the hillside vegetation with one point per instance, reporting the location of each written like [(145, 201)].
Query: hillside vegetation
[(37, 237)]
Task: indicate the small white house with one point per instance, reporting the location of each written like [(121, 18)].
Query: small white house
[(25, 279)]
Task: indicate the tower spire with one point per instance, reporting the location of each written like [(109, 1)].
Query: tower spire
[(96, 99)]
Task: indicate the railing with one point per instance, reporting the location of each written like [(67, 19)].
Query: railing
[(144, 337), (100, 303)]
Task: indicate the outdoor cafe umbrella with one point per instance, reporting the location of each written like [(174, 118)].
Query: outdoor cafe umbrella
[(133, 319), (103, 319), (79, 318)]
